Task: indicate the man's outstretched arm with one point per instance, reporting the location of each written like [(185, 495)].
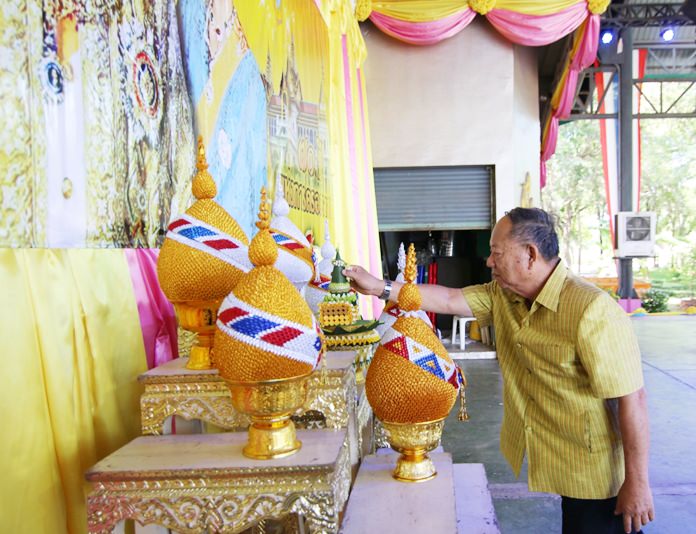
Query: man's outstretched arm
[(438, 299)]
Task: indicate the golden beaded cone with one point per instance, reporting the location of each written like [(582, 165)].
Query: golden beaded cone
[(188, 274), (264, 297), (399, 389)]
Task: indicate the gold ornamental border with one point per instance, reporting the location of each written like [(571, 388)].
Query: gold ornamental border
[(218, 500), (205, 396)]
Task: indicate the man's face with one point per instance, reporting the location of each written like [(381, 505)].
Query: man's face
[(509, 259)]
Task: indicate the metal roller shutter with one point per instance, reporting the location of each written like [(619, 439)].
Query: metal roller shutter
[(434, 198)]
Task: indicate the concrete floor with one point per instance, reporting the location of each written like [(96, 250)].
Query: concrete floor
[(669, 364)]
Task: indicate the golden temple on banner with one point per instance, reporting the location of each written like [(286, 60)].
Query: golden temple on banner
[(188, 354)]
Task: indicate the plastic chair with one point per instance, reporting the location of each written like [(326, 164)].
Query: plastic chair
[(461, 322)]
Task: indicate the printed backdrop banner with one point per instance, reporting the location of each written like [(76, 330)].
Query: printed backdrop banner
[(103, 112), (291, 40)]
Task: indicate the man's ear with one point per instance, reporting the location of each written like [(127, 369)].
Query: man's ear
[(532, 254)]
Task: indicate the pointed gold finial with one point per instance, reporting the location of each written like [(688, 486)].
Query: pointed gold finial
[(201, 161), (410, 270), (264, 212), (409, 296), (203, 185), (263, 249)]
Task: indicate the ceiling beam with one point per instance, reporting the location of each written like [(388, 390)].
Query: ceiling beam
[(637, 15)]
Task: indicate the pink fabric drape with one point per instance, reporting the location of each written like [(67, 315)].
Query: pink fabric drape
[(587, 52), (550, 145), (542, 174), (548, 149), (157, 318), (537, 30), (583, 58), (423, 33)]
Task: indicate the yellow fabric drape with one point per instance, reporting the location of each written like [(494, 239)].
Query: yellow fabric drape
[(536, 7), (70, 394), (354, 225), (429, 10), (419, 10)]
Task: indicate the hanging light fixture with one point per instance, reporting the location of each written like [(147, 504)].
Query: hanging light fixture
[(667, 34), (607, 37)]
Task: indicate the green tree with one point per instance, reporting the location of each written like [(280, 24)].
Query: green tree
[(574, 193), (669, 186), (575, 189)]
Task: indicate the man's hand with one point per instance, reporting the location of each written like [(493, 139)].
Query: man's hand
[(363, 282), (635, 502)]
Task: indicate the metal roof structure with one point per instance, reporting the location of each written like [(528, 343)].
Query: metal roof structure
[(671, 61), (666, 61), (633, 26)]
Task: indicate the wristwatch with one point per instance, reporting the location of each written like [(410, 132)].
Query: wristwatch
[(387, 290)]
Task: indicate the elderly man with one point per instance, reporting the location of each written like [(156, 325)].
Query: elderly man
[(573, 384)]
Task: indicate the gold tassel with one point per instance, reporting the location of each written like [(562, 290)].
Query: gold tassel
[(463, 415)]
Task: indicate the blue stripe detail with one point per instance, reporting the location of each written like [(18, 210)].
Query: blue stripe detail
[(279, 238), (252, 326), (423, 364), (195, 232)]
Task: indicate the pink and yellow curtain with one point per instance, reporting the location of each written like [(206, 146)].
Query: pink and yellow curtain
[(72, 330), (582, 55), (80, 325), (524, 22)]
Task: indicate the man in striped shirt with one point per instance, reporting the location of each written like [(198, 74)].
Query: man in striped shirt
[(573, 384)]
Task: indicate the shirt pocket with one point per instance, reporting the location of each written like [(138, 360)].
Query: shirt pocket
[(577, 429), (565, 427), (559, 361)]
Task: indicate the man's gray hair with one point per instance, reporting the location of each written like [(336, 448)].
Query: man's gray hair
[(535, 226)]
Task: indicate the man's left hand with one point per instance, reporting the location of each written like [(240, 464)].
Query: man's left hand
[(635, 503)]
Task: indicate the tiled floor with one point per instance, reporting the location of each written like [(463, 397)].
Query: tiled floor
[(668, 346)]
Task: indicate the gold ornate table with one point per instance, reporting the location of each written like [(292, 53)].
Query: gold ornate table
[(202, 483), (333, 400), (171, 389)]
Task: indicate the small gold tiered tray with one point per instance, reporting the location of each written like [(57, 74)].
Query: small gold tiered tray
[(202, 483)]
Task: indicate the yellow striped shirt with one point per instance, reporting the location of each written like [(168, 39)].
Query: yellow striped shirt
[(561, 361)]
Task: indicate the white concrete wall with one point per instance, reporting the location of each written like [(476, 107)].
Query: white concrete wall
[(469, 100), (526, 128)]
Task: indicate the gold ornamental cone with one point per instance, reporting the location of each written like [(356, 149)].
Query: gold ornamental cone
[(267, 343), (412, 384), (201, 259)]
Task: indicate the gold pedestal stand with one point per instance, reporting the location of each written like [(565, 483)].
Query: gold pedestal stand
[(270, 404), (414, 441), (199, 317)]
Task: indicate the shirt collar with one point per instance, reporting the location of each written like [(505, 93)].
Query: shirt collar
[(551, 292)]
